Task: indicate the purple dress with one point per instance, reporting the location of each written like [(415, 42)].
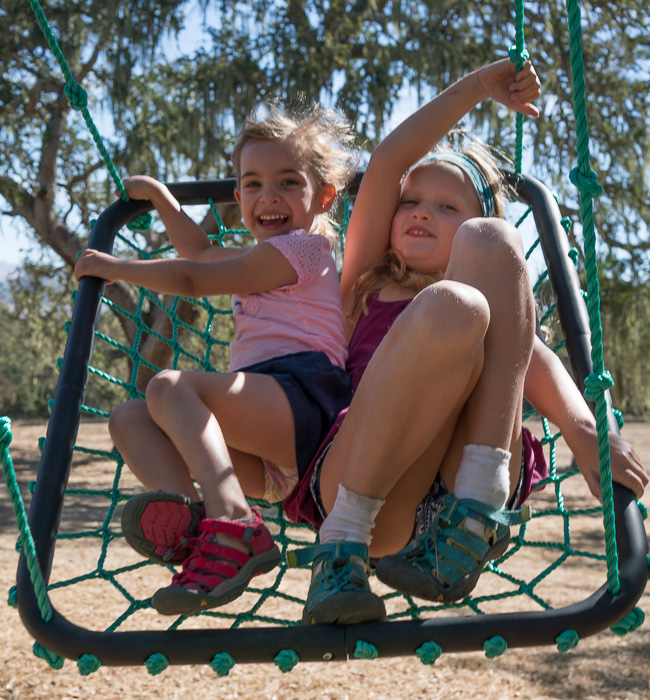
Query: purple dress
[(299, 505)]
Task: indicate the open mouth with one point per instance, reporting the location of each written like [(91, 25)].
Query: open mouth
[(419, 233), (273, 219)]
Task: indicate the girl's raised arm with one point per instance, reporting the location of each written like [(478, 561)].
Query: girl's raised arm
[(187, 237), (369, 229)]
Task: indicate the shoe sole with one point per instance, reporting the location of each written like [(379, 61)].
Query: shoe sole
[(399, 574), (179, 600), (151, 521), (346, 608)]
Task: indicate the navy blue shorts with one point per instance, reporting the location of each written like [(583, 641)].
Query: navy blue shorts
[(317, 391)]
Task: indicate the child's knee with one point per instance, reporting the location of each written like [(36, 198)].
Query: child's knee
[(124, 417), (161, 385), (444, 310), (489, 242)]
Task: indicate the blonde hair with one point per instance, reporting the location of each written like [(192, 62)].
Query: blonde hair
[(483, 158), (322, 137), (392, 268)]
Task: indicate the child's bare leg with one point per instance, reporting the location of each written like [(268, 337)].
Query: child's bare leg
[(488, 254), (148, 451), (409, 397), (445, 562), (208, 416), (154, 460)]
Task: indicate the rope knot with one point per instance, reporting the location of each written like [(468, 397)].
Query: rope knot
[(286, 660), (495, 647), (87, 664), (429, 653), (567, 640), (222, 663), (587, 184), (518, 57), (632, 621), (77, 96), (365, 650), (156, 664), (140, 223), (596, 384)]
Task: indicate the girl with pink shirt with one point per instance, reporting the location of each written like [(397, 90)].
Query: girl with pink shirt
[(287, 368)]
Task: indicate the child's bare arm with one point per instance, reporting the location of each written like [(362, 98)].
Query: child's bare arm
[(261, 268), (550, 389), (369, 229), (187, 237)]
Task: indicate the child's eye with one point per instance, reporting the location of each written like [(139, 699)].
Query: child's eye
[(448, 207), (250, 184), (288, 182)]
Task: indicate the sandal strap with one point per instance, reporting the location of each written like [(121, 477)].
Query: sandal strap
[(317, 553)]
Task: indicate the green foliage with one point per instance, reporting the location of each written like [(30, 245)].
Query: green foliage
[(31, 333), (625, 310), (33, 317)]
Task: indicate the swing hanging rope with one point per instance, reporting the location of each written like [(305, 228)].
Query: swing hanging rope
[(597, 383)]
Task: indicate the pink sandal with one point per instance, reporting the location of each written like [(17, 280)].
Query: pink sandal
[(216, 574)]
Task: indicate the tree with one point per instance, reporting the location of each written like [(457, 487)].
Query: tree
[(176, 117)]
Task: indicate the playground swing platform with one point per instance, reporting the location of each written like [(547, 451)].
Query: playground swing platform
[(57, 637)]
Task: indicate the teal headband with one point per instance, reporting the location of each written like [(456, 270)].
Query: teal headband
[(475, 174)]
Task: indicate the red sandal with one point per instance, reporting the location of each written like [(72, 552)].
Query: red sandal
[(162, 526), (215, 574)]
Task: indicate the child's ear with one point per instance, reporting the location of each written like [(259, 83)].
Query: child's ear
[(328, 194), (238, 195)]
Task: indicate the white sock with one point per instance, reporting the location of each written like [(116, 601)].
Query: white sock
[(352, 518), (484, 475)]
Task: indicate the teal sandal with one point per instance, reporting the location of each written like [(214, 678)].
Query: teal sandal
[(339, 592), (444, 563)]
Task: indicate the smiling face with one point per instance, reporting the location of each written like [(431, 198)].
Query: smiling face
[(278, 192), (436, 198)]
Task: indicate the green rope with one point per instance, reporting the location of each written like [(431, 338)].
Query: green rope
[(567, 640), (78, 100), (429, 653), (519, 55), (365, 650), (55, 661), (586, 181), (222, 663), (88, 664), (28, 545), (495, 647), (632, 621), (286, 660), (156, 664)]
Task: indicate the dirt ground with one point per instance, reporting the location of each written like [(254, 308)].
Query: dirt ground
[(601, 666)]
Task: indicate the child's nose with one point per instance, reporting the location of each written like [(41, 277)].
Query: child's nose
[(421, 212), (269, 194)]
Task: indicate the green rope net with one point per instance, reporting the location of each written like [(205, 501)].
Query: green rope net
[(95, 569), (94, 566)]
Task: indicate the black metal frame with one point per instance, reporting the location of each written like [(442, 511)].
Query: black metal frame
[(186, 646)]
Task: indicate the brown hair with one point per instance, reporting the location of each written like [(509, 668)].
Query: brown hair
[(391, 269), (323, 137)]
